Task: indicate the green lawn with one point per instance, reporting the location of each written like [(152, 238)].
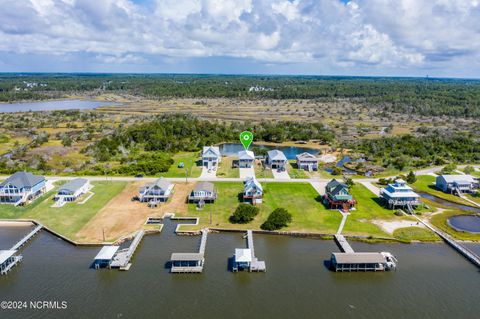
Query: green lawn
[(192, 165), (300, 199), (407, 234), (440, 221), (226, 170), (476, 174), (294, 172), (70, 218), (261, 172), (425, 183)]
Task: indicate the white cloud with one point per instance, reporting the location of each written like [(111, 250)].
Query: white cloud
[(362, 33)]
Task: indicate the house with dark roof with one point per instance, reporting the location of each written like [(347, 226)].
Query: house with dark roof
[(337, 196), (158, 191), (72, 190), (307, 161), (21, 188), (276, 160), (203, 191)]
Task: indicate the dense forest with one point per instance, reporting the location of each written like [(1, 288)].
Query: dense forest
[(425, 96), (173, 133), (411, 151)]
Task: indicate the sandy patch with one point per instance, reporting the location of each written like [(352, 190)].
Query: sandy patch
[(122, 216), (391, 226)]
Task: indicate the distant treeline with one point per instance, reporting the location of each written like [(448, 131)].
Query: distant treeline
[(179, 132), (412, 151), (404, 95)]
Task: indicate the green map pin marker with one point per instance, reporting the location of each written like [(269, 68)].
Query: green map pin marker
[(246, 138)]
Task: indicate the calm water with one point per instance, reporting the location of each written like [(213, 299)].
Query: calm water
[(52, 105), (448, 203), (232, 149), (432, 281), (468, 223)]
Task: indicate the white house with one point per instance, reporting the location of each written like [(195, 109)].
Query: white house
[(399, 194), (72, 190), (456, 183), (252, 190), (307, 161), (203, 191), (21, 188), (246, 159), (211, 157), (276, 159), (159, 191)]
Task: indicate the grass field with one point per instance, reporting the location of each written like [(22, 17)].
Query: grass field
[(294, 172), (407, 234), (260, 172), (440, 221), (191, 162), (69, 219), (226, 170)]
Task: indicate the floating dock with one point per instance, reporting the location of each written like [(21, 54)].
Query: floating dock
[(190, 262), (246, 259), (349, 260), (27, 237), (121, 260)]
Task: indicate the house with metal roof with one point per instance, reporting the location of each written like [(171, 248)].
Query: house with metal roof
[(158, 191), (307, 161), (21, 188), (337, 196), (246, 159), (276, 160), (456, 184), (203, 192), (211, 157), (252, 190), (72, 190), (399, 194)]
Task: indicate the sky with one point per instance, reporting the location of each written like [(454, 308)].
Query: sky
[(438, 38)]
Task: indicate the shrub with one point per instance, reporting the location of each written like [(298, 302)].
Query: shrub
[(277, 219), (411, 178), (244, 213)]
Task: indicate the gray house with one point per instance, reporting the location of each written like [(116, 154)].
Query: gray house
[(211, 157), (456, 183), (246, 159), (159, 191), (21, 188), (203, 191), (307, 161), (276, 159), (73, 190), (252, 190)]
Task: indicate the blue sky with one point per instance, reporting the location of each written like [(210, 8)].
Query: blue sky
[(329, 37)]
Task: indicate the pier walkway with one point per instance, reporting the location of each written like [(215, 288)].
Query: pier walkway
[(255, 265), (122, 258), (467, 253), (343, 244), (27, 238)]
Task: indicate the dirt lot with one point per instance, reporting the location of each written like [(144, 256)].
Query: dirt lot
[(122, 216)]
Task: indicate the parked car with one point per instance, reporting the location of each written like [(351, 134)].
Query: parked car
[(139, 175), (181, 165)]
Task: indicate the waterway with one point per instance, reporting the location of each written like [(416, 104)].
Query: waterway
[(232, 149), (52, 105), (432, 281), (448, 203), (467, 223)]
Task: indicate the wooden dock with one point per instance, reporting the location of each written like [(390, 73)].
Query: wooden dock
[(467, 253), (343, 244), (27, 237), (255, 264), (190, 262), (122, 258)]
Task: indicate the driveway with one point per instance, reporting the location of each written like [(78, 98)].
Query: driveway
[(206, 173), (247, 172), (280, 175), (374, 189), (319, 187)]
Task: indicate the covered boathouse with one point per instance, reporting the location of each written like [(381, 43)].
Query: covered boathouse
[(353, 261), (105, 257), (187, 262), (8, 259)]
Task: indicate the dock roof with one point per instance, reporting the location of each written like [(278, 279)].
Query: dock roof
[(107, 253), (5, 254), (186, 257), (359, 258), (243, 255)]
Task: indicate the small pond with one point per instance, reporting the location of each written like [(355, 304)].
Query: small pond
[(52, 105), (448, 203), (466, 223), (232, 149)]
